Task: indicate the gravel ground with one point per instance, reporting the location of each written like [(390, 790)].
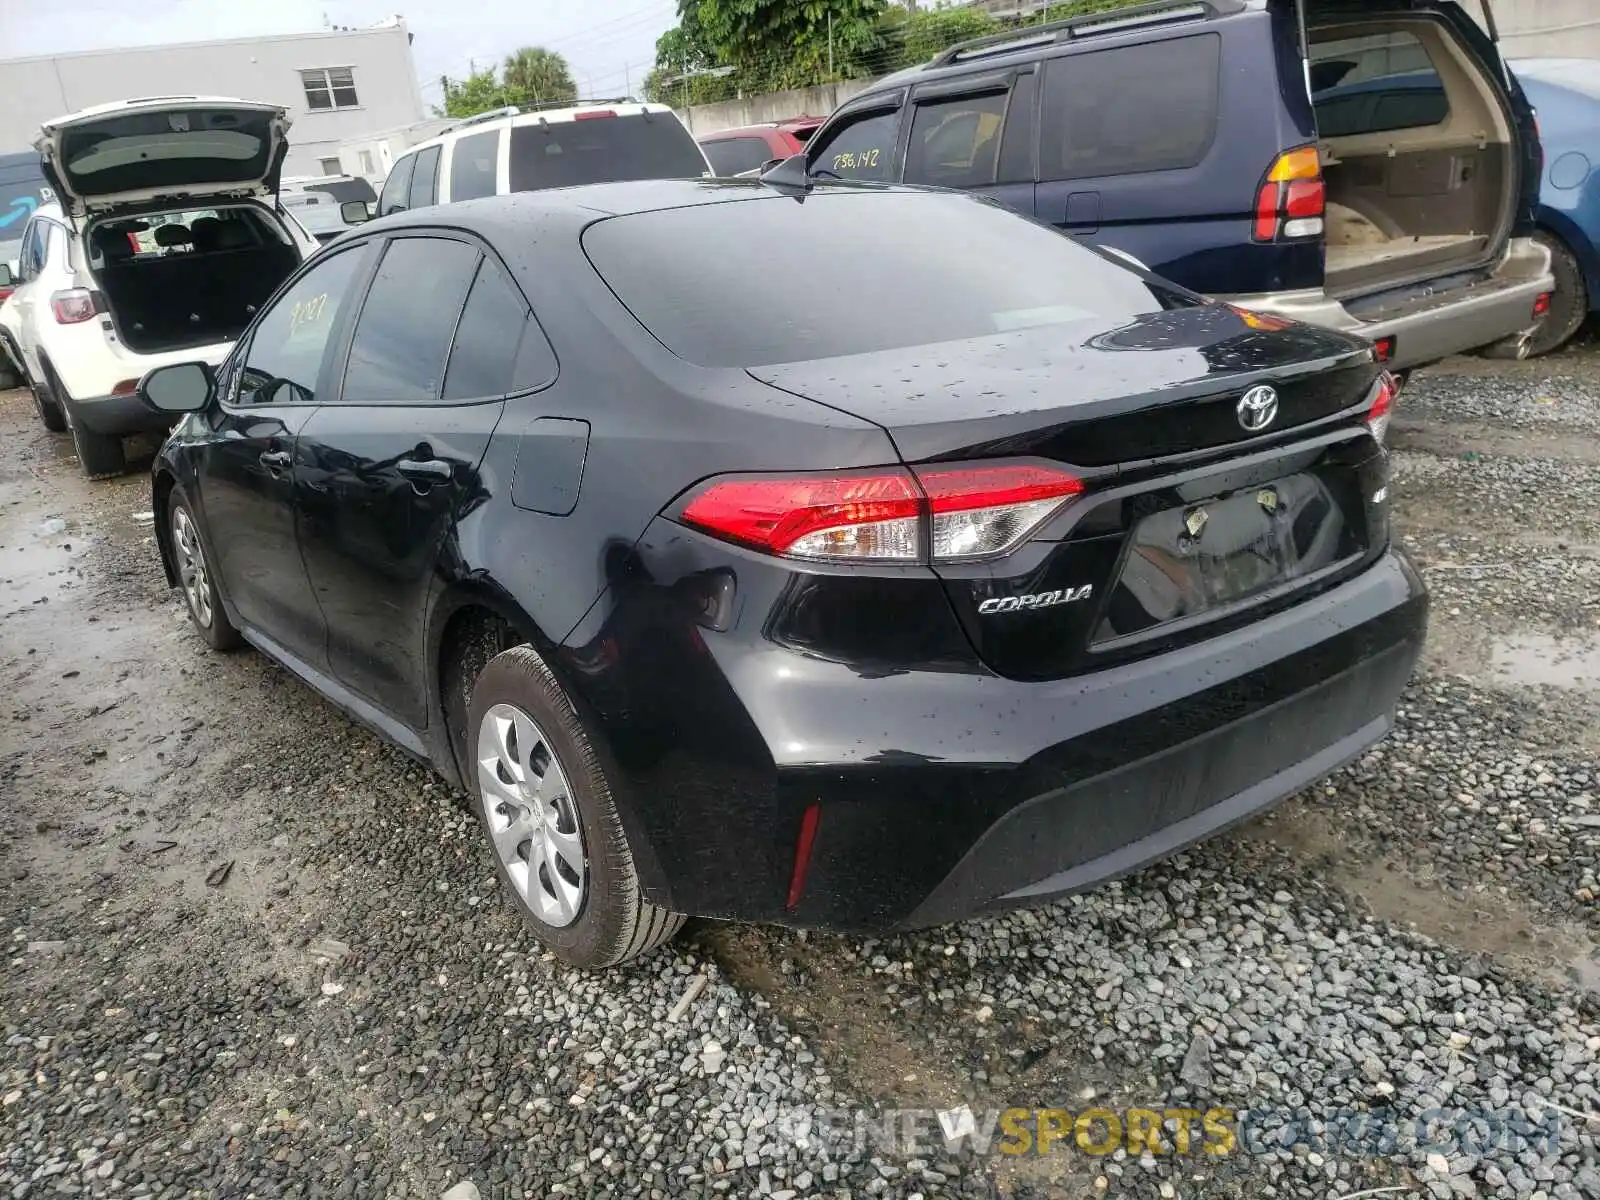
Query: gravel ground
[(254, 952)]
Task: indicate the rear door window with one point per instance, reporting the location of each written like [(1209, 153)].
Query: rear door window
[(733, 156), (498, 348), (1376, 83), (473, 166), (403, 334), (602, 150), (859, 147), (397, 187), (955, 143), (425, 181), (1130, 110)]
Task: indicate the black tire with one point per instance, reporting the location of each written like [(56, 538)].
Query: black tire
[(49, 411), (99, 454), (613, 923), (1569, 307), (48, 408), (200, 594)]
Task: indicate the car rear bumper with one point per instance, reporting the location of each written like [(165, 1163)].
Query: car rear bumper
[(928, 796), (117, 416), (1426, 326)]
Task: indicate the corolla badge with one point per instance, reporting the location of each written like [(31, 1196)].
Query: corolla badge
[(1033, 600), (1257, 409)]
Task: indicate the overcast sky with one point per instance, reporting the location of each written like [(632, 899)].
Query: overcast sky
[(609, 43)]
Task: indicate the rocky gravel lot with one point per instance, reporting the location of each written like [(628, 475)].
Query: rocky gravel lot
[(251, 951)]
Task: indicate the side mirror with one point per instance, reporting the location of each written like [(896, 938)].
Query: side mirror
[(768, 165), (355, 212), (5, 275), (179, 388)]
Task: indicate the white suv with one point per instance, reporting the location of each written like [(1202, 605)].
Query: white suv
[(511, 150), (163, 243)]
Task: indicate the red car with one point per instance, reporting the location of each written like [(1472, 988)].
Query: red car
[(743, 150)]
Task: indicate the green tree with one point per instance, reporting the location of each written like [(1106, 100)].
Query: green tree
[(926, 32), (534, 75), (786, 43), (479, 92), (677, 78)]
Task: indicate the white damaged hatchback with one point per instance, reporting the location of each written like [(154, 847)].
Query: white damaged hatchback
[(165, 239)]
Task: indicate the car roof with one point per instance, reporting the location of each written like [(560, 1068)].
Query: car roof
[(589, 202), (539, 116), (1027, 44)]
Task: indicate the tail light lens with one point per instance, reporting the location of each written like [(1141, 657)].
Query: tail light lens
[(1384, 393), (938, 513), (593, 114), (73, 306), (1292, 198)]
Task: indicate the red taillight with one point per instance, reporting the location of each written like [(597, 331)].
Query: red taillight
[(1541, 303), (592, 114), (1384, 392), (872, 516), (1292, 198), (946, 513), (5, 294), (1383, 348), (73, 306)]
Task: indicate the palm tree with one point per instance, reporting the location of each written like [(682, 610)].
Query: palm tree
[(536, 75)]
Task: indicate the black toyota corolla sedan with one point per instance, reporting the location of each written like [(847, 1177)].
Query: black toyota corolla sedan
[(849, 557)]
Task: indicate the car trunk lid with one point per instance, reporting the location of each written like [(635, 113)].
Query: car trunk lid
[(133, 153), (1090, 393), (1190, 516)]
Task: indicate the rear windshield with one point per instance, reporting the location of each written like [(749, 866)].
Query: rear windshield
[(731, 156), (602, 150), (772, 280)]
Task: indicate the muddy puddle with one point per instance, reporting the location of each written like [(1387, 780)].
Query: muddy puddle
[(38, 560), (1540, 658)]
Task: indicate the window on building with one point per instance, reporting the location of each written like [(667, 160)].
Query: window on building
[(366, 163), (330, 166), (330, 87)]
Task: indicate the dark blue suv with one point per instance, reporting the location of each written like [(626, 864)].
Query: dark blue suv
[(1367, 165)]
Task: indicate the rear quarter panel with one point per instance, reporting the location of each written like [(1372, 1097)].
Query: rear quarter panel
[(656, 425)]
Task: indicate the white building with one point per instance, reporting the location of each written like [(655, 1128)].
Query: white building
[(338, 85)]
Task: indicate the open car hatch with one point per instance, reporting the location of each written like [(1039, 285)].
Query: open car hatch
[(133, 152)]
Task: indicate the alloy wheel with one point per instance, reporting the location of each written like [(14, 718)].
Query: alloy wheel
[(192, 567), (531, 815)]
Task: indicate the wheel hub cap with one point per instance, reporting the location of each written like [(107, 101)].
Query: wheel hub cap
[(192, 567), (532, 817)]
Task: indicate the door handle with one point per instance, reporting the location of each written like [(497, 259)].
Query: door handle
[(275, 460), (425, 470)]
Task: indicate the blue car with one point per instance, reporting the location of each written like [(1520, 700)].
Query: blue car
[(1566, 94)]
